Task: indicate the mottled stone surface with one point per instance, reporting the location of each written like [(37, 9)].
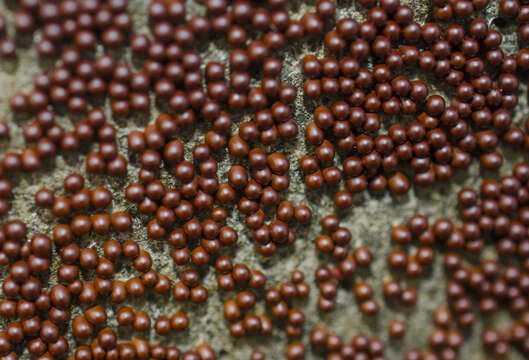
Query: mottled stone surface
[(369, 220)]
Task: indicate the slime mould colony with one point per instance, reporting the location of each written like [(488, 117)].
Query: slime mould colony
[(375, 128)]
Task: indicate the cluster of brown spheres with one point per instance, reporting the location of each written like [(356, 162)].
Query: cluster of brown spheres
[(332, 346), (374, 128), (442, 135)]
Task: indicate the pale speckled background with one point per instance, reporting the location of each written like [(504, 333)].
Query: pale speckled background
[(369, 221)]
